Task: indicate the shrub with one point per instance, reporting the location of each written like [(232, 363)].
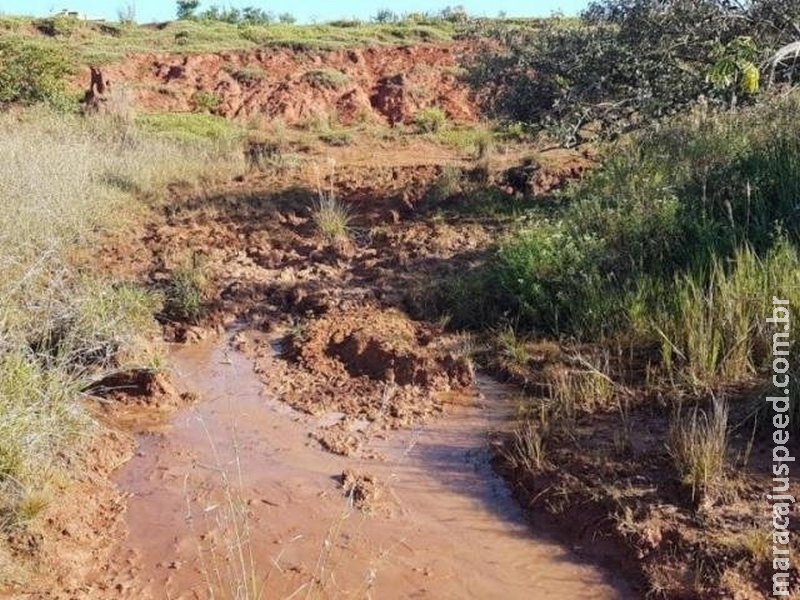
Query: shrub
[(385, 15), (626, 62), (430, 120), (684, 219), (63, 26), (185, 9), (186, 292), (30, 72), (248, 75)]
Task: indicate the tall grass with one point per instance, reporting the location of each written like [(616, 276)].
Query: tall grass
[(714, 325), (64, 181), (680, 237), (698, 444)]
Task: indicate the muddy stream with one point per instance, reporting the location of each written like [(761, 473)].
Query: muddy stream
[(231, 493)]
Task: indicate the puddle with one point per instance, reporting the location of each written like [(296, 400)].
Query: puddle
[(235, 491)]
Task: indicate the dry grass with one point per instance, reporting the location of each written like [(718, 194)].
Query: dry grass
[(65, 180), (698, 444)]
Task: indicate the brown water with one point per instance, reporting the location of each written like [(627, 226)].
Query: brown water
[(236, 476)]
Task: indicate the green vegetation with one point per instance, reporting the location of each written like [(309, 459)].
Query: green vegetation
[(186, 292), (190, 127), (430, 120), (206, 101), (100, 43), (32, 72), (327, 78), (681, 237), (698, 444), (626, 63), (331, 217), (64, 180)]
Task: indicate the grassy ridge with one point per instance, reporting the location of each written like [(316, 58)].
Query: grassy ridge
[(107, 42)]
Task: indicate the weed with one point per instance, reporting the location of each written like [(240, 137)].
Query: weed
[(430, 120), (331, 217), (327, 78), (247, 75), (513, 350), (698, 444), (32, 72), (528, 447), (186, 291), (207, 102)]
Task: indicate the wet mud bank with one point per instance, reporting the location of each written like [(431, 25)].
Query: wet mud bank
[(234, 495)]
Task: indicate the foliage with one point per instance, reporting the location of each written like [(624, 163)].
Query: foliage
[(668, 240), (31, 72), (246, 16), (206, 101), (631, 61), (327, 78), (185, 9), (430, 120), (385, 15), (698, 444)]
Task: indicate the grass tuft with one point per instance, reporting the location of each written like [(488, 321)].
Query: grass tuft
[(331, 217), (698, 444)]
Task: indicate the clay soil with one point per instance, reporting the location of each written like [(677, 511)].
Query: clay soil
[(328, 327), (386, 85)]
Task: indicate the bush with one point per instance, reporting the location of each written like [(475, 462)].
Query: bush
[(186, 292), (58, 26), (684, 220), (631, 61), (331, 217), (430, 120), (31, 73), (247, 75)]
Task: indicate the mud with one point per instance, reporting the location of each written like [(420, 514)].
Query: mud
[(238, 476)]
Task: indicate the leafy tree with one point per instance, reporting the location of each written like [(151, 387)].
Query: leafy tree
[(629, 61), (385, 15), (186, 8)]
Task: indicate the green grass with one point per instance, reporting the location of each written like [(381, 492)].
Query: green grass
[(190, 127), (327, 78), (713, 326), (109, 42), (698, 444), (430, 120), (65, 180), (331, 217), (186, 292)]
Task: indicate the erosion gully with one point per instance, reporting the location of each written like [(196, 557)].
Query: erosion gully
[(231, 494)]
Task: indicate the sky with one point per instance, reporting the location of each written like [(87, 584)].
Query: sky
[(304, 10)]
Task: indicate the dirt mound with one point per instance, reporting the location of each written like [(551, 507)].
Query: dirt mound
[(372, 364), (384, 347), (383, 84)]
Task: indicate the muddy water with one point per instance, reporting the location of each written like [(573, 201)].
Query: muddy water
[(233, 492)]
